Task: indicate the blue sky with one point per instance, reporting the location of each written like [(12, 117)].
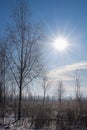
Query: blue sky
[(67, 17)]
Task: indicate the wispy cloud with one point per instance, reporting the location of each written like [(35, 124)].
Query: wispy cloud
[(65, 71)]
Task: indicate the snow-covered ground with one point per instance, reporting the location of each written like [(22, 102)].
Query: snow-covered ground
[(11, 124), (24, 124)]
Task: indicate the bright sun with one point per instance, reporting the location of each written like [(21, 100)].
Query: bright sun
[(60, 44)]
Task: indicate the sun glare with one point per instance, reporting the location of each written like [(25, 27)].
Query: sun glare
[(60, 44)]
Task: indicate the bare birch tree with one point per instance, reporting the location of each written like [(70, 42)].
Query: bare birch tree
[(77, 82), (46, 84), (24, 49), (77, 91), (3, 78), (60, 90)]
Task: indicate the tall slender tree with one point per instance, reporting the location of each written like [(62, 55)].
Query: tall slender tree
[(77, 90), (3, 78), (46, 84), (24, 49)]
